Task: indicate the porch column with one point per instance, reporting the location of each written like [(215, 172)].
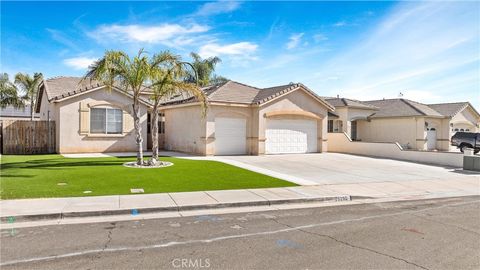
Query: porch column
[(420, 134), (322, 135), (444, 134)]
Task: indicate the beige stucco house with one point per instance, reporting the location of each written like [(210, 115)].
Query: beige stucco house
[(412, 124), (240, 119), (88, 117)]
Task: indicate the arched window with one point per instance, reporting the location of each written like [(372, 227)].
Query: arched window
[(456, 129), (461, 129), (467, 129), (432, 129)]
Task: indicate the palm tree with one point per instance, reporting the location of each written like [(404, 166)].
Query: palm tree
[(205, 69), (168, 78), (9, 93), (29, 86), (130, 74)]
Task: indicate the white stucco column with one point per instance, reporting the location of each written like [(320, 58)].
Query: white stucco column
[(322, 130), (444, 133)]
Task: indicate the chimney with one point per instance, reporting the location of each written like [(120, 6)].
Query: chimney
[(338, 96)]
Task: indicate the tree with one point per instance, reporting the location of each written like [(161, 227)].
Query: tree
[(117, 69), (29, 86), (204, 68), (169, 75), (9, 93)]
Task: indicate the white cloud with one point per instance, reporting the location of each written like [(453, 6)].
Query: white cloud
[(319, 37), (340, 24), (167, 34), (294, 40), (428, 51), (62, 39), (79, 63), (219, 7), (243, 49)]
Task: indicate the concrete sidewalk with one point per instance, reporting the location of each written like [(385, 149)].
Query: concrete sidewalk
[(54, 208), (58, 208)]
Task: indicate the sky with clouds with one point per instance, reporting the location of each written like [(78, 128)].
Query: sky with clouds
[(425, 51)]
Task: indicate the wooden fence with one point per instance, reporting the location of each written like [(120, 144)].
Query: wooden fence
[(27, 137)]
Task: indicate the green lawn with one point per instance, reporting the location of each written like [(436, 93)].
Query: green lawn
[(37, 176)]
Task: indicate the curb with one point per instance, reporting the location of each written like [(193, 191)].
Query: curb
[(54, 216)]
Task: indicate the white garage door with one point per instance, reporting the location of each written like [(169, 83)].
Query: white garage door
[(230, 136), (290, 136)]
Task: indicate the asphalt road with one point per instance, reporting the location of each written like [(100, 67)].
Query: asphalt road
[(429, 234)]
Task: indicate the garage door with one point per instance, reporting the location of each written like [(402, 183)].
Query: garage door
[(290, 136), (230, 136)]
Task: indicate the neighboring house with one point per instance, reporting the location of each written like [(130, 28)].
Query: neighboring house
[(412, 124), (240, 119), (463, 116), (11, 113), (347, 112), (88, 117)]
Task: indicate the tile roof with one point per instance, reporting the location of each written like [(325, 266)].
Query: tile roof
[(235, 92), (58, 88), (400, 107), (449, 109), (346, 102)]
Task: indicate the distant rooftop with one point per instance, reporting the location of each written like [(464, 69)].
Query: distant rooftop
[(10, 111)]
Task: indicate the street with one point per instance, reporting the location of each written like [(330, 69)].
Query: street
[(427, 234)]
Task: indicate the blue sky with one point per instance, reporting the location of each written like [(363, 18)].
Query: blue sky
[(428, 51)]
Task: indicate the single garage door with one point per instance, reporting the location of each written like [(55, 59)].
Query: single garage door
[(290, 136), (230, 136)]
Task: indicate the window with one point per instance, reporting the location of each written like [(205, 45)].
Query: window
[(467, 129), (330, 126), (106, 121), (456, 129), (461, 129)]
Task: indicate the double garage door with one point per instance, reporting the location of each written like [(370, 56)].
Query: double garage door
[(282, 136)]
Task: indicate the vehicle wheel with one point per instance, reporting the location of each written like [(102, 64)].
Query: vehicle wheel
[(462, 148), (476, 151)]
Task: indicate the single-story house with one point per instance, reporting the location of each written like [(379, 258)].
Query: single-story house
[(240, 119), (412, 124), (88, 118)]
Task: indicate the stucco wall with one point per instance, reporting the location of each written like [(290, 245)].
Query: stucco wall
[(45, 107), (341, 143), (401, 130), (69, 139), (185, 130)]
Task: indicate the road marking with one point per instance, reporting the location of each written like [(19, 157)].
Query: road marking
[(228, 237)]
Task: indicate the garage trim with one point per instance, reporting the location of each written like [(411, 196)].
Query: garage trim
[(294, 113)]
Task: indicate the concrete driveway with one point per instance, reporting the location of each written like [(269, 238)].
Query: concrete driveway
[(334, 168)]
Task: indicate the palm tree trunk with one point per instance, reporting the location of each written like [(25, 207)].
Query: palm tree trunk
[(138, 130), (154, 125)]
